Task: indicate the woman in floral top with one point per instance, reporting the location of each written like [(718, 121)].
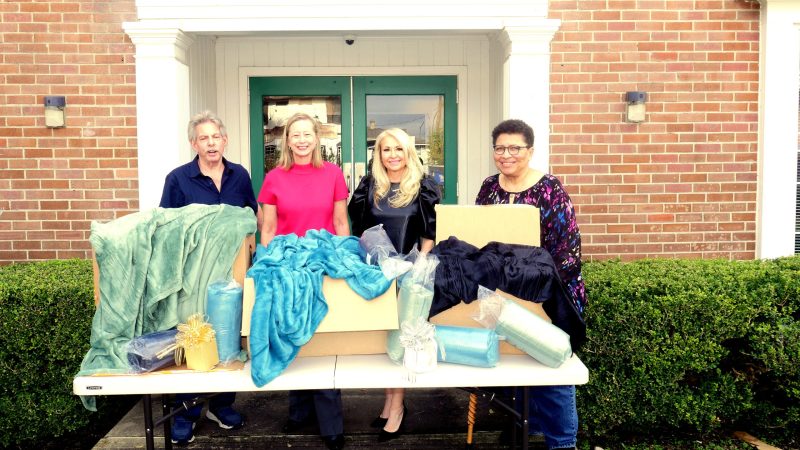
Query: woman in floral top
[(553, 409), (559, 229)]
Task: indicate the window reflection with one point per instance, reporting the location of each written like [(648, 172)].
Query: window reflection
[(326, 109), (421, 117)]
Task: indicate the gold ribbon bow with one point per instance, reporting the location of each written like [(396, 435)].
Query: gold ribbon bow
[(194, 332)]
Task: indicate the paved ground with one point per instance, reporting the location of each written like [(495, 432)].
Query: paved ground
[(436, 420)]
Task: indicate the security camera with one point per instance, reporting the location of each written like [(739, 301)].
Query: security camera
[(349, 39)]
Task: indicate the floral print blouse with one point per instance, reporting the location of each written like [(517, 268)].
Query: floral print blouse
[(559, 229)]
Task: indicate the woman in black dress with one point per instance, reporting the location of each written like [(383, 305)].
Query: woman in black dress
[(397, 194)]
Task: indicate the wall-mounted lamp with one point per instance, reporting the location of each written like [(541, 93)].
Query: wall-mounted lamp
[(54, 111), (635, 109)]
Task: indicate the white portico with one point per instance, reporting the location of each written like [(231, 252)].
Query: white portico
[(200, 55)]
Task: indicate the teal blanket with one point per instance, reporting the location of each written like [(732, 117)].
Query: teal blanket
[(289, 304), (155, 268)]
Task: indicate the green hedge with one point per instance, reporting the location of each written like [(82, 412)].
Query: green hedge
[(685, 347), (692, 347), (46, 311)]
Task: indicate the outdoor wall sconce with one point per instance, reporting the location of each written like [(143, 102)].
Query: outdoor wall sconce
[(54, 111), (635, 109)]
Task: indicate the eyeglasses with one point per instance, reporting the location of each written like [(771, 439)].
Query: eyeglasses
[(513, 150)]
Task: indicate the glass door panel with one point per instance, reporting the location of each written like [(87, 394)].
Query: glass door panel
[(275, 99), (353, 110), (421, 117), (326, 109), (425, 107)]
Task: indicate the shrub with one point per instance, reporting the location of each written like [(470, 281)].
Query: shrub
[(692, 346), (674, 347), (46, 311)]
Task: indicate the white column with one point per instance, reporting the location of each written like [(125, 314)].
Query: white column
[(777, 148), (526, 74), (162, 105)]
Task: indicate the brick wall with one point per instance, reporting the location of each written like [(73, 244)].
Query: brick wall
[(683, 183), (54, 182)]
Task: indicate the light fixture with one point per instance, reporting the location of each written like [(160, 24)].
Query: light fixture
[(54, 111), (635, 109)]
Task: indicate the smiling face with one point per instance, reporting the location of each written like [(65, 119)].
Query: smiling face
[(209, 143), (393, 158), (302, 140), (510, 165)]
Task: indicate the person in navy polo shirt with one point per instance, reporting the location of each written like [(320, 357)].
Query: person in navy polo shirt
[(208, 179)]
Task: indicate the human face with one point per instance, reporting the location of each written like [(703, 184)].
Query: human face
[(393, 158), (209, 143), (302, 141), (512, 166)]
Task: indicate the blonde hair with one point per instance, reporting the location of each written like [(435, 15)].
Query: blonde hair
[(286, 158), (409, 184)]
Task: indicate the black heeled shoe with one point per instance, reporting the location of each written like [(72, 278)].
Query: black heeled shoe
[(378, 422), (385, 436)]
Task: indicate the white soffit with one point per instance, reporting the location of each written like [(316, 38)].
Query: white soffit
[(270, 16)]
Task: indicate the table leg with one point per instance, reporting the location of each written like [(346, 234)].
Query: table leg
[(473, 404), (147, 401), (165, 402), (525, 416)]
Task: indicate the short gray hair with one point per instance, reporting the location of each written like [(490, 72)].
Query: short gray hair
[(203, 117)]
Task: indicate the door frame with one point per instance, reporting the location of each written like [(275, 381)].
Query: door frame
[(409, 85), (460, 72)]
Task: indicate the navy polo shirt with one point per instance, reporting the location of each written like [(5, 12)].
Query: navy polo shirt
[(186, 185)]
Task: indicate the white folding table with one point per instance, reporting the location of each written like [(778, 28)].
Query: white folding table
[(331, 372)]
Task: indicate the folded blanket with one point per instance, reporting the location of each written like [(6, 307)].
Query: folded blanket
[(289, 304), (155, 268)]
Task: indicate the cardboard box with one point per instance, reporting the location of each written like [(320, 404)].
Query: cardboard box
[(353, 326), (479, 225)]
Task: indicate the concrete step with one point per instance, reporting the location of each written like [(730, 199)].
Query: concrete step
[(436, 419)]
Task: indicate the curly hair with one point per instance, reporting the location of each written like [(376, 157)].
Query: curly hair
[(513, 126)]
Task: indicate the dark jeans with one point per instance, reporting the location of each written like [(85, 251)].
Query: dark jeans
[(218, 401), (553, 413), (327, 403)]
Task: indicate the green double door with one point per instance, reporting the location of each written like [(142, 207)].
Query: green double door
[(353, 111)]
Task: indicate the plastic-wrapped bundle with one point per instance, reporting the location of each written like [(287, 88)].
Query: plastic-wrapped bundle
[(152, 351), (224, 310), (413, 302), (417, 336), (544, 341), (469, 346)]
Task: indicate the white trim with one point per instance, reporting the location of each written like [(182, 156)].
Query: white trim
[(778, 136)]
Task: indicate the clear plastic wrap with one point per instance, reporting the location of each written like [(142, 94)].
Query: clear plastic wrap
[(477, 347), (414, 301), (152, 351), (525, 330), (224, 310), (417, 337), (377, 249), (375, 245)]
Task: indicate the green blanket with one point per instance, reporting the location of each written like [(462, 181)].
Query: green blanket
[(155, 268)]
